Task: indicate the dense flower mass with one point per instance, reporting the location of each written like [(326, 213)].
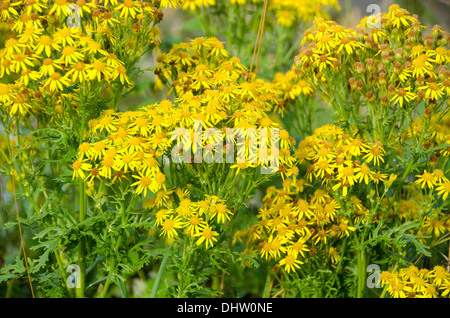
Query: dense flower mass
[(316, 158), (412, 282), (376, 78), (212, 95), (386, 61), (144, 148), (49, 58)]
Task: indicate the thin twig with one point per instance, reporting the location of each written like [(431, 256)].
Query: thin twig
[(18, 219)]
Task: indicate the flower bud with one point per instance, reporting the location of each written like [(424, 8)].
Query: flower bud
[(352, 82), (370, 96), (359, 67), (435, 31), (370, 64), (398, 54)]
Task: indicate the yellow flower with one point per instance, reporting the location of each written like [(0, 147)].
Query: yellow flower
[(169, 226), (363, 173), (403, 95), (334, 254), (324, 61), (143, 184), (285, 18), (129, 8), (375, 154), (433, 225), (70, 55), (21, 61), (78, 73), (206, 235), (443, 189), (426, 179), (99, 69), (421, 66), (298, 247), (57, 82), (344, 228), (433, 90), (66, 36), (221, 212), (290, 262), (60, 8), (18, 105), (397, 289), (194, 225), (47, 45), (79, 167)]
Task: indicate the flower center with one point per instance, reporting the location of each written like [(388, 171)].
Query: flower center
[(145, 182)]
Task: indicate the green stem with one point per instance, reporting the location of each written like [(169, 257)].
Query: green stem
[(116, 248), (160, 273), (81, 253), (267, 285), (361, 273)]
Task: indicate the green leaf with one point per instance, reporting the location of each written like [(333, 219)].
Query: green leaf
[(122, 286)]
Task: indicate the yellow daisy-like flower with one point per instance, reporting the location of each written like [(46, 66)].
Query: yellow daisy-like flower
[(206, 235), (170, 226), (433, 90), (443, 189), (129, 8), (18, 106), (221, 212), (421, 66), (60, 8), (290, 262), (98, 69), (285, 18), (78, 73), (143, 184), (70, 55), (57, 82), (375, 154), (363, 173), (403, 95), (80, 166), (426, 179), (45, 44)]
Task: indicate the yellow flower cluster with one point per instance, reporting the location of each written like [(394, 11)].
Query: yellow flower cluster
[(54, 48), (208, 96), (438, 135), (432, 179), (290, 224), (203, 66), (340, 161), (198, 220), (438, 138), (412, 282), (291, 85), (387, 59)]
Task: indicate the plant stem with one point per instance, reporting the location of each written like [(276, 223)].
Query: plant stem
[(160, 273), (268, 285), (361, 273), (116, 247), (82, 245)]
